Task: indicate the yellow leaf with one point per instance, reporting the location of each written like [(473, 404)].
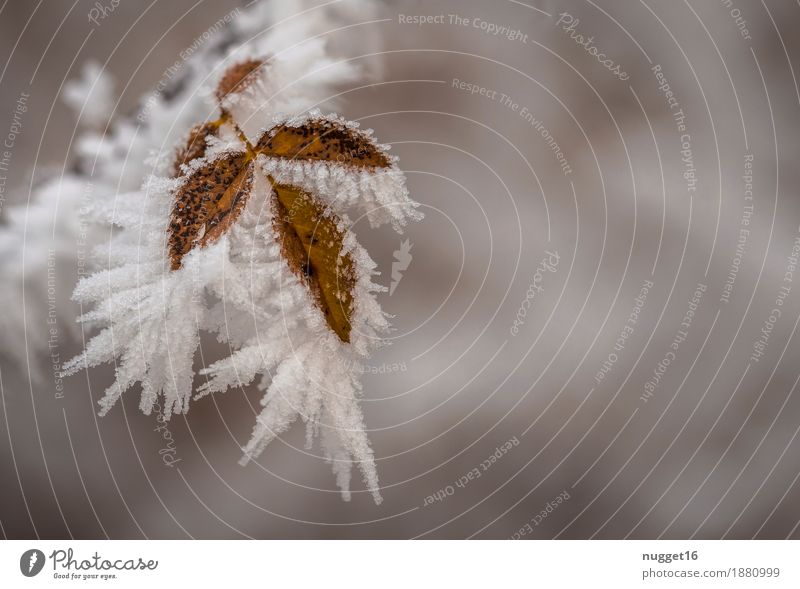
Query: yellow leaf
[(238, 77), (207, 203), (323, 140), (311, 243)]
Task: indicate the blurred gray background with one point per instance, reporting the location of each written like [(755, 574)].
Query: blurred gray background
[(710, 451)]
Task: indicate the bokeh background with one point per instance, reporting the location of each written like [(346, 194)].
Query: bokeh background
[(709, 451)]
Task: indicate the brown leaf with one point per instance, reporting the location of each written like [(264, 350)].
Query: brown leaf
[(211, 198), (238, 77), (323, 140), (311, 243), (207, 203), (195, 146)]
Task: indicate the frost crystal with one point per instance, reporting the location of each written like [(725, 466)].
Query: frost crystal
[(190, 256), (91, 96)]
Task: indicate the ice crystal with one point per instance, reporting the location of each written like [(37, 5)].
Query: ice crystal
[(205, 244)]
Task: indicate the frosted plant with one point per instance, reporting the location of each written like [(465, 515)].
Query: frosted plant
[(92, 95), (245, 274), (248, 237), (44, 241)]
